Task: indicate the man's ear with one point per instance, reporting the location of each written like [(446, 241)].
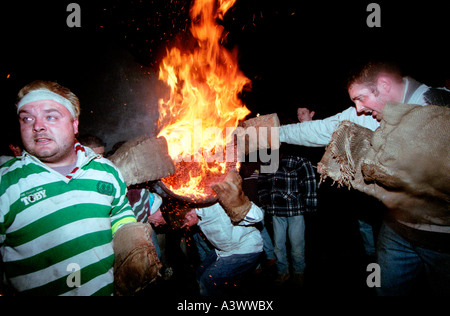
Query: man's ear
[(384, 84), (75, 126)]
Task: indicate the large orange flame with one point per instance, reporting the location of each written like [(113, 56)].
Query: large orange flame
[(204, 106)]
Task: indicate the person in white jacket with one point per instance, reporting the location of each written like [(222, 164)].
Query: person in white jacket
[(404, 249), (369, 99), (229, 226)]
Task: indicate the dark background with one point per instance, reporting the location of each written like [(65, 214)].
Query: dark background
[(296, 53)]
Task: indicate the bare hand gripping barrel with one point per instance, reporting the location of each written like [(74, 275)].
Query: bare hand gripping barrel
[(405, 163), (143, 159)]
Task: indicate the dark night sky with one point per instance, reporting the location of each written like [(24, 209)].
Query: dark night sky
[(294, 52)]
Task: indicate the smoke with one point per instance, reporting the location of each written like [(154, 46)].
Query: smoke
[(119, 101)]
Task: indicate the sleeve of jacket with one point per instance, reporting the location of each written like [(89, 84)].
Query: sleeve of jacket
[(264, 188), (308, 186), (122, 212), (255, 215), (317, 133)]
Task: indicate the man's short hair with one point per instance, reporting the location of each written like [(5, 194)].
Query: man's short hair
[(53, 87), (368, 74)]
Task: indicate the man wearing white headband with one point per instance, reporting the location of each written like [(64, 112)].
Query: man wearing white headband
[(60, 203), (44, 94), (48, 115)]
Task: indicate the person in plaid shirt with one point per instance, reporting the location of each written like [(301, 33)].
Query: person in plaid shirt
[(287, 194)]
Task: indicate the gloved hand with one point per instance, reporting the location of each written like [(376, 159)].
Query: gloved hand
[(143, 159), (136, 264), (235, 203), (259, 133)]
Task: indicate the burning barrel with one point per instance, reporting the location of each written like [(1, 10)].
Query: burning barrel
[(199, 119), (203, 109)]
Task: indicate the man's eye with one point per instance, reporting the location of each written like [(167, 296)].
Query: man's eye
[(26, 119)]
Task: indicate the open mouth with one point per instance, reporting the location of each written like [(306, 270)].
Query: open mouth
[(374, 114), (42, 140)]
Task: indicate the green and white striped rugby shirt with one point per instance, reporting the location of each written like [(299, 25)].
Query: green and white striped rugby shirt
[(53, 225)]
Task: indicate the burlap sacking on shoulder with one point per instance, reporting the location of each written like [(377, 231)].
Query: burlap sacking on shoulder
[(405, 163)]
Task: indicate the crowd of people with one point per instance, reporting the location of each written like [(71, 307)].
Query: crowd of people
[(62, 201)]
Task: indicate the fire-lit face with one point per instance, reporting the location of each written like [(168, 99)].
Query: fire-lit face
[(157, 219), (48, 132), (368, 101)]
